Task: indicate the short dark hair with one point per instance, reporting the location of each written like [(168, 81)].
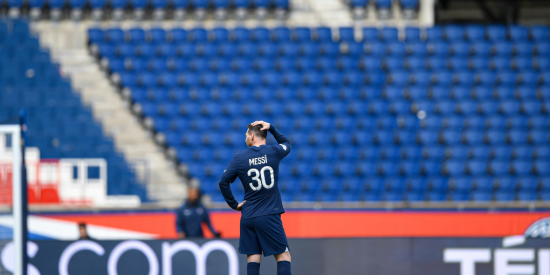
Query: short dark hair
[(257, 130), (81, 224)]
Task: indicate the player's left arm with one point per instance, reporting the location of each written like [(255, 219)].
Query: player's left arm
[(228, 177), (284, 143), (180, 223), (206, 219)]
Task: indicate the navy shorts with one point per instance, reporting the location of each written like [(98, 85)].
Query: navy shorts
[(263, 234)]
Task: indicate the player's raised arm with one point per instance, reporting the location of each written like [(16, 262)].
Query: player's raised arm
[(228, 177), (283, 141)]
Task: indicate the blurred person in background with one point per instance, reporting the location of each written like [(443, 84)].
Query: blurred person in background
[(191, 215), (83, 232)]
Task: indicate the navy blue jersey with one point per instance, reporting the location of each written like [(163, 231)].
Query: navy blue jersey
[(189, 219), (258, 170)]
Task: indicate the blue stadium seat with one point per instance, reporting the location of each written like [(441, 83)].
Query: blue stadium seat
[(540, 33), (259, 34), (366, 168), (481, 49), (454, 168), (542, 152), (475, 33), (521, 168), (412, 34), (476, 168), (280, 34), (372, 185), (390, 152), (462, 184), (459, 196), (481, 197), (495, 137), (418, 184), (370, 34), (454, 33), (389, 34), (496, 32), (439, 48), (346, 34), (499, 168), (504, 196), (409, 4), (538, 137), (431, 168), (417, 48), (439, 184), (501, 152), (528, 184), (484, 184), (302, 34), (541, 167), (369, 153), (95, 35), (323, 34), (545, 184), (436, 197), (434, 33)]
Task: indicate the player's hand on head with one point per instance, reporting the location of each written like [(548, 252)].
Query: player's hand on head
[(240, 206), (265, 125)]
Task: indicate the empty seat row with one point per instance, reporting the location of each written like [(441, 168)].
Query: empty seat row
[(475, 34), (141, 4), (272, 50), (410, 197), (472, 125), (350, 154), (385, 137), (423, 97), (335, 79), (465, 69), (400, 184), (316, 108)]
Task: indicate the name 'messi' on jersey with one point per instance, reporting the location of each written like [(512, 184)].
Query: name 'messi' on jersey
[(257, 161)]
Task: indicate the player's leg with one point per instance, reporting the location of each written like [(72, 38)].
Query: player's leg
[(283, 263), (273, 241), (285, 256), (249, 244), (253, 265)]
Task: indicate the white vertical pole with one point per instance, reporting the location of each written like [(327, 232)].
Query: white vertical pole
[(15, 132)]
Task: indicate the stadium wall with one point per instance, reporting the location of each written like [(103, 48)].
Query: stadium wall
[(396, 256)]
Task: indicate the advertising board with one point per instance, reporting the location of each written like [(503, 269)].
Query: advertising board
[(398, 256)]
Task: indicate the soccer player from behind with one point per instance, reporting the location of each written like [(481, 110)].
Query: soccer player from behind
[(258, 169)]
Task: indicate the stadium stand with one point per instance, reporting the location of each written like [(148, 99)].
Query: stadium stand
[(144, 9), (58, 124), (437, 118), (408, 8)]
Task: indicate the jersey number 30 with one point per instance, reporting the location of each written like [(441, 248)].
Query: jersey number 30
[(258, 175)]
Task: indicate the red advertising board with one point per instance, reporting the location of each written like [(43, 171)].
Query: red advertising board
[(335, 224)]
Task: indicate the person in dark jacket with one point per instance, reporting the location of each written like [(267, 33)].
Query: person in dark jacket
[(83, 232), (191, 215)]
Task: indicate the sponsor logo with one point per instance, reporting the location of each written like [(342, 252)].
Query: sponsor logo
[(168, 251), (539, 229), (506, 261)]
